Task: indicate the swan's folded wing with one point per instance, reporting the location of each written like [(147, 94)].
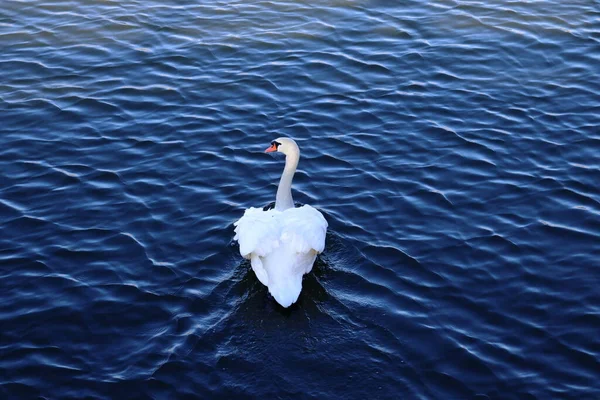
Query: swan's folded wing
[(257, 232), (303, 229)]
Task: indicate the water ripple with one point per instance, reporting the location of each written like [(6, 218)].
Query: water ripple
[(452, 147)]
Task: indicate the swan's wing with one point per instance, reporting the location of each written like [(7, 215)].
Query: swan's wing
[(259, 269), (303, 229), (257, 232)]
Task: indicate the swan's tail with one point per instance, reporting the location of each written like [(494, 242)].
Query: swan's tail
[(287, 290), (284, 269)]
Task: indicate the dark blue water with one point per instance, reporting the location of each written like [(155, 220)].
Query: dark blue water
[(453, 146)]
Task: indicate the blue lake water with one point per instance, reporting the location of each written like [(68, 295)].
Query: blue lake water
[(453, 147)]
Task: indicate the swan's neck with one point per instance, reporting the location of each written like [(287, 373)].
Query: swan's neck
[(284, 199)]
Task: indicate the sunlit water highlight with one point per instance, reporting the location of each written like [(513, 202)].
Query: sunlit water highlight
[(453, 147)]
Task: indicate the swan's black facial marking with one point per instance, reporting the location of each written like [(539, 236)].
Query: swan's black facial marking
[(276, 144)]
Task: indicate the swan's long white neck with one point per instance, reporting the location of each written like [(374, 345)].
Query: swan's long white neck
[(284, 199)]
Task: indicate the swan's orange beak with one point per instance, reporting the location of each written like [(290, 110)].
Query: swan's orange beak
[(271, 149)]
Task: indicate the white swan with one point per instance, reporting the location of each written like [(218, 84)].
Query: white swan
[(282, 243)]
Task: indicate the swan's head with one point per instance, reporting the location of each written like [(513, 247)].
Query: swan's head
[(283, 145)]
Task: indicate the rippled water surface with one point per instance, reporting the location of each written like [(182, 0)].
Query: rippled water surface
[(453, 147)]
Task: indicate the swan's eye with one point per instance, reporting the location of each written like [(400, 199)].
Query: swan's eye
[(274, 147)]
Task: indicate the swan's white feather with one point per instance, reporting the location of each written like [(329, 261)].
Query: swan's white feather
[(301, 229), (282, 246), (257, 232)]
